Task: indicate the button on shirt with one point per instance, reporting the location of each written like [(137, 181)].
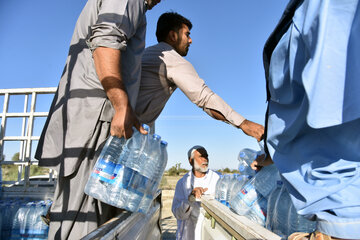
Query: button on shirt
[(164, 70)]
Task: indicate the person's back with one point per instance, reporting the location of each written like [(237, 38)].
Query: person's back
[(163, 70)]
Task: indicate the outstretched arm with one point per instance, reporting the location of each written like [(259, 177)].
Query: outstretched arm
[(250, 128), (184, 76)]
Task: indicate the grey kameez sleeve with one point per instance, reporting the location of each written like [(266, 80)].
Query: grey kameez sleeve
[(117, 22), (184, 76)]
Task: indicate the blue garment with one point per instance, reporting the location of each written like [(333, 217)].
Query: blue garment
[(312, 65)]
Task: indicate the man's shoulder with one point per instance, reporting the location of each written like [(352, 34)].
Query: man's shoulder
[(158, 48)]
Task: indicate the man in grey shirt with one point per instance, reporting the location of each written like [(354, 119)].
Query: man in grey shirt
[(96, 96), (164, 69)]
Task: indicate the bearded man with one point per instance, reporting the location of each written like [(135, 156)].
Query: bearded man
[(189, 189)]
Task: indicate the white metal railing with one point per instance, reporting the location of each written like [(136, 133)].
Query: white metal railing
[(222, 223), (26, 138)]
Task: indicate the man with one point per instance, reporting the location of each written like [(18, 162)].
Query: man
[(164, 69), (313, 120), (199, 181), (102, 72)]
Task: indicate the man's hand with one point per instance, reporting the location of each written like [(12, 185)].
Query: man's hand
[(252, 129), (122, 123), (198, 191), (261, 161)]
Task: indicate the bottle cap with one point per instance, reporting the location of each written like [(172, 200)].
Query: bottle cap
[(146, 127), (157, 137), (164, 143), (241, 155)]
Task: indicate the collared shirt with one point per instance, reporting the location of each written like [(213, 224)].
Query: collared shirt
[(187, 213), (164, 70)]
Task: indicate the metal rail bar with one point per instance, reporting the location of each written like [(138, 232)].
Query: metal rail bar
[(238, 226), (26, 138)]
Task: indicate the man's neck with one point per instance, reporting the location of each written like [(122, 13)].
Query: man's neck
[(198, 174)]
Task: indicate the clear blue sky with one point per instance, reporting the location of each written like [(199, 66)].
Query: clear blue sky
[(228, 38)]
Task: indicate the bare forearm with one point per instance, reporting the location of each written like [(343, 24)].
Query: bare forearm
[(108, 68), (217, 115)]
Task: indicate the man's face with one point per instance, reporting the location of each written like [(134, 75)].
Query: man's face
[(183, 41), (151, 3), (200, 162)]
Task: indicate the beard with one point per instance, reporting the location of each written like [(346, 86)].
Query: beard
[(200, 168)]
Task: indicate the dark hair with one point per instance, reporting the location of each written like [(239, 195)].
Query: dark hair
[(170, 21)]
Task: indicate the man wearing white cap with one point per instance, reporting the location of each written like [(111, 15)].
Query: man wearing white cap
[(189, 189)]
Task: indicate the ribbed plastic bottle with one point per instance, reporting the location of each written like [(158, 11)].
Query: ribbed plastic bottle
[(124, 189), (240, 181), (271, 204), (103, 172), (223, 188), (154, 177), (39, 229), (246, 157), (258, 211), (134, 148), (18, 227), (233, 181), (0, 187), (256, 188), (8, 212), (279, 221), (298, 223), (217, 192), (30, 220), (144, 177)]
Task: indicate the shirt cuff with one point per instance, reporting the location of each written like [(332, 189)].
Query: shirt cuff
[(235, 119), (104, 35)]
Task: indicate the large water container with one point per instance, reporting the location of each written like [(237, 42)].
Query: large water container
[(246, 157), (256, 188)]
